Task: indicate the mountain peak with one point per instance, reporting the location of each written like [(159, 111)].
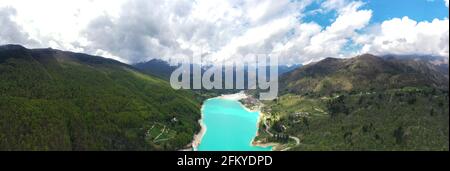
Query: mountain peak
[(329, 59), (12, 47), (364, 72), (367, 56)]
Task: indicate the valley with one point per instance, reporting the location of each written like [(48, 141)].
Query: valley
[(59, 100)]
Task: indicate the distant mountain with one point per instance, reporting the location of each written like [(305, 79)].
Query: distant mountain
[(163, 69), (436, 60), (439, 62), (364, 72), (57, 100), (282, 69), (157, 67)]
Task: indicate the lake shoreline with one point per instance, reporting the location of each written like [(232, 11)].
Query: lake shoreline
[(256, 106), (234, 97), (253, 104), (193, 146), (199, 136)]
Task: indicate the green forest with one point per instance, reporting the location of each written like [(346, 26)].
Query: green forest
[(362, 103), (55, 100), (400, 119)]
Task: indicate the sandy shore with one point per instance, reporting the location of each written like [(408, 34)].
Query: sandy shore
[(238, 96), (199, 136)]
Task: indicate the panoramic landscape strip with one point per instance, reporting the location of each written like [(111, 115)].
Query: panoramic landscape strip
[(224, 76)]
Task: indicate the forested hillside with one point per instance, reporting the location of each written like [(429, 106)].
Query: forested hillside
[(55, 100), (361, 103)]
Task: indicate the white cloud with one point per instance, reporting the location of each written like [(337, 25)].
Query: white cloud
[(137, 30), (255, 38), (334, 4), (446, 3), (57, 23), (333, 38), (312, 42), (10, 31), (161, 29), (406, 36)]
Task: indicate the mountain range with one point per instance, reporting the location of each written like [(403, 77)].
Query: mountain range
[(163, 69), (365, 72), (59, 100)]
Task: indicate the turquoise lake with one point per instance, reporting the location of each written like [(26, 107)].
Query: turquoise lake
[(229, 127)]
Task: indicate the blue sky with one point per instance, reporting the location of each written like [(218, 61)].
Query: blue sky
[(419, 10), (409, 19)]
